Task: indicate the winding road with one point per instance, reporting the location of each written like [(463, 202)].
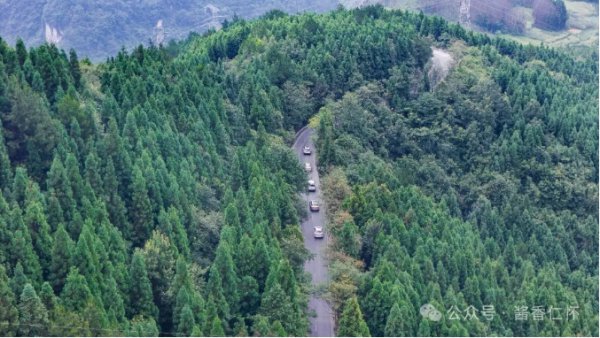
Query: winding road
[(322, 324)]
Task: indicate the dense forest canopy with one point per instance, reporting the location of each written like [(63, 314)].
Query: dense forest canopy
[(156, 193)]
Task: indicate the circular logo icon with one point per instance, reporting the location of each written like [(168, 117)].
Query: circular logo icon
[(430, 312)]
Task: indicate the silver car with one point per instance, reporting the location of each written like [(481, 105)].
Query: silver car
[(311, 185), (318, 232), (306, 150), (307, 167)]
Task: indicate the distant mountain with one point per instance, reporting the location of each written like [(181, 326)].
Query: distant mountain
[(99, 28)]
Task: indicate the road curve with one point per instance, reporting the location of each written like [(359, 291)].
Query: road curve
[(322, 324)]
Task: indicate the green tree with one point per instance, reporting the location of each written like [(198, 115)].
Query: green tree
[(351, 322), (141, 217), (141, 301), (35, 220), (395, 323), (186, 322), (143, 327), (223, 262), (74, 68), (216, 329), (9, 314), (261, 328), (160, 255), (76, 294), (18, 280), (61, 256), (33, 316)]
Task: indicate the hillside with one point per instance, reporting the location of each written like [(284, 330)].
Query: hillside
[(98, 29), (157, 193), (516, 19)]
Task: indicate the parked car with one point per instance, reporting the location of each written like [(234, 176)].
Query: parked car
[(307, 167), (313, 205), (311, 185), (306, 150), (318, 233)]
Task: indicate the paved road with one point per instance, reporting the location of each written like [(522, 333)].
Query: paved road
[(322, 324)]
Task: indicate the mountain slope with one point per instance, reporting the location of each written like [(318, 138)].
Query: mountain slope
[(156, 192), (98, 29)]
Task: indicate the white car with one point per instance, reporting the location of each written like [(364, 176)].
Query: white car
[(306, 150), (311, 185), (307, 167), (318, 232)]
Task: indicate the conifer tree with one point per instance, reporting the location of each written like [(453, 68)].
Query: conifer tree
[(39, 229), (141, 210), (216, 329), (215, 295), (58, 184), (239, 328), (186, 322), (261, 326), (18, 280), (47, 297), (351, 322), (223, 262), (143, 327), (395, 326), (22, 251), (76, 294), (33, 316), (62, 250), (141, 301), (9, 314)]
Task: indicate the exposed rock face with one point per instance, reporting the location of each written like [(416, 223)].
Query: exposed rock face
[(52, 35), (439, 66)]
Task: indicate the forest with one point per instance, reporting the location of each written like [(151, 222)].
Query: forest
[(156, 193)]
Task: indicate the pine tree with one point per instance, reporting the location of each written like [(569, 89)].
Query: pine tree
[(62, 250), (186, 322), (33, 316), (86, 259), (113, 301), (239, 328), (59, 185), (351, 322), (249, 296), (215, 295), (19, 186), (76, 294), (261, 326), (47, 297), (160, 255), (21, 51), (39, 229), (22, 251), (141, 210), (74, 68), (276, 305), (229, 279), (262, 262), (5, 166), (18, 280), (9, 315), (143, 327), (74, 176), (216, 328), (278, 330), (141, 301), (395, 326)]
